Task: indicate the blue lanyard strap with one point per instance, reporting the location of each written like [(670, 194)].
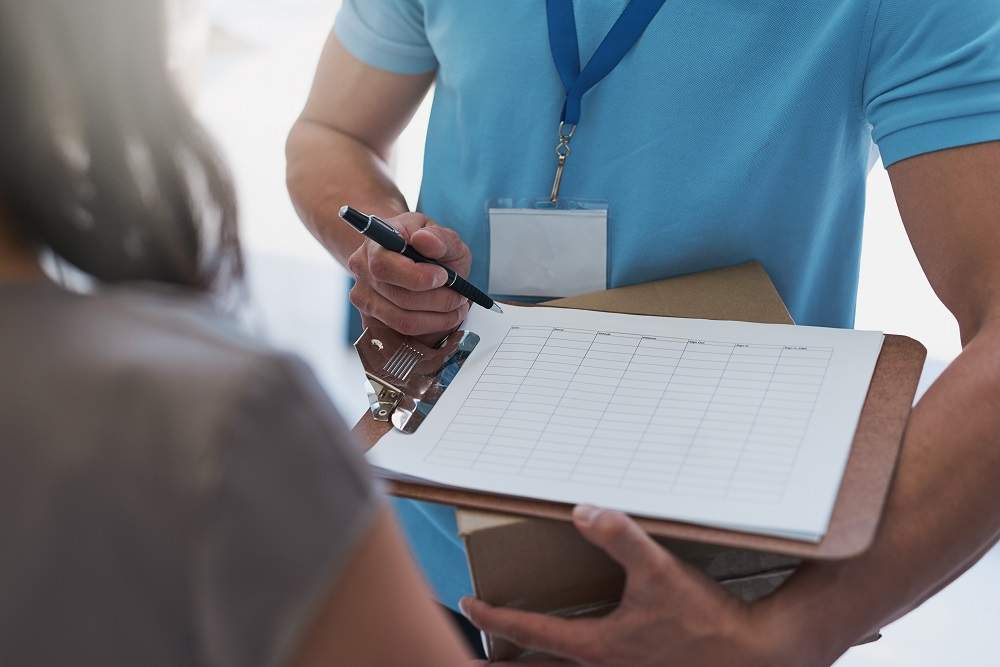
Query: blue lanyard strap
[(565, 48)]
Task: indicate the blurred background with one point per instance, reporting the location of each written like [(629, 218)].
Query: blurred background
[(247, 66)]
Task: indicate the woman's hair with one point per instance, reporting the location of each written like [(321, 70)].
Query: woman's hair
[(101, 161)]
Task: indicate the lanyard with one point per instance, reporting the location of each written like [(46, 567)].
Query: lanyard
[(566, 54)]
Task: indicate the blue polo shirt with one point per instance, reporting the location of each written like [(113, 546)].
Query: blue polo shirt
[(732, 131)]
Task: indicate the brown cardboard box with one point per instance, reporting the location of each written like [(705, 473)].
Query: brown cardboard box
[(545, 565)]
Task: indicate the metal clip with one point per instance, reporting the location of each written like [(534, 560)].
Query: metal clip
[(403, 378), (563, 151), (382, 399)]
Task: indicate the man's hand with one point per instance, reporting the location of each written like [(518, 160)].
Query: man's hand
[(670, 614), (408, 296)]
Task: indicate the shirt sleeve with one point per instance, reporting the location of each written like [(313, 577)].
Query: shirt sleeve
[(289, 500), (933, 77), (387, 34)]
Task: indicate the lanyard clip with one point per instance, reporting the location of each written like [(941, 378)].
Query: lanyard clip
[(563, 150)]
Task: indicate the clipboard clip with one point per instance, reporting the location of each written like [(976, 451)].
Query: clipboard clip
[(404, 379)]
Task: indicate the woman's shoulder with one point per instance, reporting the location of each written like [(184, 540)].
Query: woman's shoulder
[(204, 360), (162, 363), (147, 374), (185, 344), (196, 318), (174, 339)]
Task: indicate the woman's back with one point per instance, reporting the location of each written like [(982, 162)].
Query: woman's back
[(171, 492)]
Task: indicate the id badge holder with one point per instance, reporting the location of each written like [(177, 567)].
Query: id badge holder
[(541, 248)]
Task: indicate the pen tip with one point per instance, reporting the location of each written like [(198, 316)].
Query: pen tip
[(496, 308)]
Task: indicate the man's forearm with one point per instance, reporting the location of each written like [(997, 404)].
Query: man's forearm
[(941, 515), (327, 169)]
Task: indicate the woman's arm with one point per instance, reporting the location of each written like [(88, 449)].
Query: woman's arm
[(380, 612), (298, 559)]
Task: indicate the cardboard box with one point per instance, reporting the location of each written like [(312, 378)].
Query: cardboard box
[(546, 566)]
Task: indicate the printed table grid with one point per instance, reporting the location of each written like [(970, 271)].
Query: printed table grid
[(654, 413)]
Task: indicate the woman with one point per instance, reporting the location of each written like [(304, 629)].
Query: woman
[(172, 492)]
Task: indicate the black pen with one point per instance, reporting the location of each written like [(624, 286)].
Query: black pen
[(385, 235)]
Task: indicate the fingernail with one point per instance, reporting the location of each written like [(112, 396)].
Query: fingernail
[(443, 279), (462, 607), (585, 514)]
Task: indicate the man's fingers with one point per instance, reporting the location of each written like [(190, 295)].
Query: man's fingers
[(393, 268), (621, 538), (440, 243), (538, 632), (406, 322), (439, 300), (407, 223), (430, 242), (430, 239)]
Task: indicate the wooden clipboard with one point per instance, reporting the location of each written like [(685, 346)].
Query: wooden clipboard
[(739, 291)]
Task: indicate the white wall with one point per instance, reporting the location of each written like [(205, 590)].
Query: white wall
[(894, 295)]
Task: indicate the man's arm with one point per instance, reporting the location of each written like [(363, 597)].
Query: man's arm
[(337, 153), (942, 513), (339, 147)]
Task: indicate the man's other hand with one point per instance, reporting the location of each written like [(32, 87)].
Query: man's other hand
[(670, 614), (408, 296)]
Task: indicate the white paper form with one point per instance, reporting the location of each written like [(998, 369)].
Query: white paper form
[(731, 424)]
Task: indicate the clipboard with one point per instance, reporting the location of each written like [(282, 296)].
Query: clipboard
[(867, 476)]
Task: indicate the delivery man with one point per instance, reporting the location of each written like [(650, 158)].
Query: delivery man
[(664, 138)]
